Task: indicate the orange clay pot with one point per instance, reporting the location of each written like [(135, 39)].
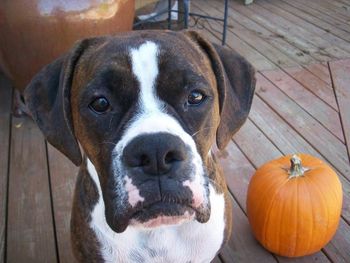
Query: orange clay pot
[(35, 32)]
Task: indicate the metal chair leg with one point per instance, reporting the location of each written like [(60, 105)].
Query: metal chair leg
[(169, 14), (225, 23), (187, 12)]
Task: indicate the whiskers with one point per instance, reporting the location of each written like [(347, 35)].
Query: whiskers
[(201, 130), (214, 183), (107, 142)]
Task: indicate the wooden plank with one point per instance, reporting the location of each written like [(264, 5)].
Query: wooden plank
[(337, 6), (321, 71), (321, 111), (320, 138), (328, 8), (232, 41), (260, 45), (324, 47), (242, 247), (281, 134), (236, 18), (292, 34), (306, 46), (30, 233), (315, 20), (244, 139), (338, 248), (63, 175), (340, 74), (238, 171), (315, 85), (5, 109), (313, 29), (324, 17), (288, 141), (345, 3)]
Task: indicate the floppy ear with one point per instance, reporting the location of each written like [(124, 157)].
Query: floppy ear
[(235, 78), (48, 99)]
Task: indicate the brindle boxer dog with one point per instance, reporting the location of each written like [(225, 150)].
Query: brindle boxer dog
[(146, 108)]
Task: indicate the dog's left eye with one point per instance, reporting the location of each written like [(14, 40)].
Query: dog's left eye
[(196, 97), (100, 105)]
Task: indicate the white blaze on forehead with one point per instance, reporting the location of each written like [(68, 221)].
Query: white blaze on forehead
[(145, 67)]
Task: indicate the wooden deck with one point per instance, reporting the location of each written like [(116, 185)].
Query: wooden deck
[(301, 50)]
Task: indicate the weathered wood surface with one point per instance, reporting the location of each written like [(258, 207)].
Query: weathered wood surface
[(340, 71), (63, 175), (315, 85), (302, 104), (309, 127), (30, 231), (325, 114)]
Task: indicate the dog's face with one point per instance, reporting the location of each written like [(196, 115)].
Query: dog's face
[(142, 106), (146, 108)]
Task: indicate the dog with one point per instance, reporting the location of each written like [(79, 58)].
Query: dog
[(146, 109)]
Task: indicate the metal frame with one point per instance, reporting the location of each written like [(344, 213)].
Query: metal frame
[(188, 14)]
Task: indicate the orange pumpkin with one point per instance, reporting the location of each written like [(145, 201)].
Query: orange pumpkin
[(294, 210)]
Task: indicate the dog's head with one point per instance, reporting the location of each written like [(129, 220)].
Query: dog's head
[(146, 107)]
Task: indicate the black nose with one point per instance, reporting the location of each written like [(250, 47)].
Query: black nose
[(156, 153)]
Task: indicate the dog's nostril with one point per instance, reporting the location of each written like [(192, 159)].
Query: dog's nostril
[(144, 160), (170, 157)]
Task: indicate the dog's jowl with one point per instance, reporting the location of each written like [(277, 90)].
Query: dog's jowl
[(140, 113)]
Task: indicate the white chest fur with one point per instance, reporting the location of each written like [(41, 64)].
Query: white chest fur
[(189, 242)]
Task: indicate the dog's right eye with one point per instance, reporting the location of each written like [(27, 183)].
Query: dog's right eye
[(100, 105), (196, 98)]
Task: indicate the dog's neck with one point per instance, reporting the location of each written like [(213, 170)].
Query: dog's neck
[(172, 243)]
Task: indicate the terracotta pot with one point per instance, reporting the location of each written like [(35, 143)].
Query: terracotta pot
[(35, 32)]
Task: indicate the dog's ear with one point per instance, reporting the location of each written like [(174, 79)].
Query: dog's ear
[(48, 99), (235, 79)]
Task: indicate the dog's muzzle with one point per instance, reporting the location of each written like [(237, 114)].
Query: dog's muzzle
[(162, 184)]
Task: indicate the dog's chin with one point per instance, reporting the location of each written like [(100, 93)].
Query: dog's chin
[(161, 214)]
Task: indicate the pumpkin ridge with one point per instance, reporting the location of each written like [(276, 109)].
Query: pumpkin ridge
[(279, 226), (338, 181), (288, 191), (317, 188), (270, 209), (312, 214), (265, 192), (297, 234)]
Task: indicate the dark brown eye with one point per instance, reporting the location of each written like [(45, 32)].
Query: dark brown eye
[(196, 98), (100, 105)]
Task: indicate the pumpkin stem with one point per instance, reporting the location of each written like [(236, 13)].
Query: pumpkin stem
[(296, 169)]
